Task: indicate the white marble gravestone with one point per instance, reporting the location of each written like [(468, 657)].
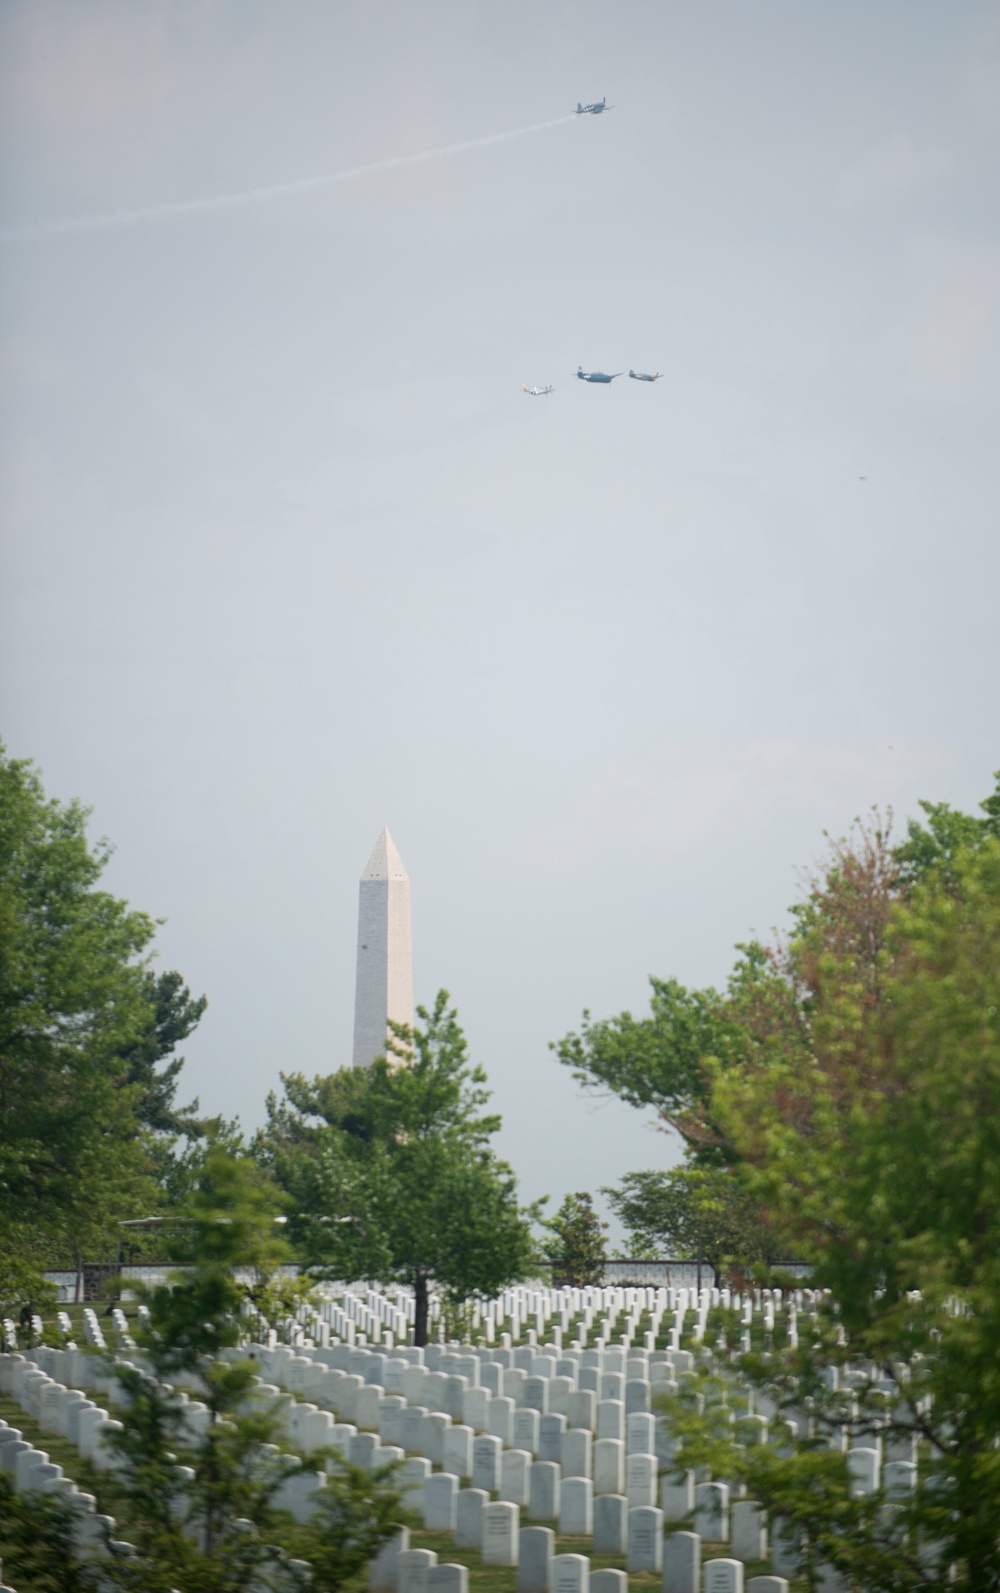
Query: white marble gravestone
[(534, 1569), (723, 1576), (469, 1508), (525, 1430), (682, 1563), (412, 1567), (609, 1466), (611, 1419), (645, 1539), (544, 1485), (748, 1530), (610, 1524), (576, 1507), (570, 1573), (486, 1453), (501, 1533), (448, 1579), (711, 1511), (515, 1476), (677, 1498), (440, 1502)]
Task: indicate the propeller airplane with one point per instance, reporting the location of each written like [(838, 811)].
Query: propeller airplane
[(536, 392), (595, 376), (643, 376), (594, 108)]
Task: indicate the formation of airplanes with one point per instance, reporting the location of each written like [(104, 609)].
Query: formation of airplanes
[(595, 108), (594, 376)]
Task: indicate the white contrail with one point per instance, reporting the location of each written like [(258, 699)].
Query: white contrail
[(252, 196)]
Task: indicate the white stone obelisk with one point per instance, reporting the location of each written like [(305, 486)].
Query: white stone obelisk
[(384, 987)]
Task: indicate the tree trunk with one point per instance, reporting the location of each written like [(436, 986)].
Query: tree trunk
[(420, 1312), (78, 1292)]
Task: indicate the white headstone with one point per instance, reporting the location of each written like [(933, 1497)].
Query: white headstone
[(576, 1453), (609, 1466), (786, 1552), (550, 1436), (581, 1409), (611, 1419), (412, 1476), (682, 1563), (748, 1539), (677, 1498), (501, 1419), (638, 1394), (515, 1476), (448, 1579), (486, 1452), (544, 1485), (412, 1568), (536, 1394), (534, 1570), (645, 1539), (458, 1450), (383, 1574), (610, 1524), (863, 1465), (640, 1433), (525, 1433), (640, 1479), (500, 1534), (711, 1511), (724, 1576), (570, 1573), (469, 1517), (899, 1476), (440, 1499), (608, 1581), (576, 1507)]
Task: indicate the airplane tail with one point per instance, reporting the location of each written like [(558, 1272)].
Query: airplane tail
[(579, 108)]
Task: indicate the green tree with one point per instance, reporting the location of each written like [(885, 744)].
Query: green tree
[(224, 1486), (172, 1013), (36, 1543), (72, 997), (84, 1025), (577, 1251), (391, 1174), (693, 1213)]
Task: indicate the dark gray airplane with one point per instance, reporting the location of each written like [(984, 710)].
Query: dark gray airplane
[(642, 376), (595, 376), (594, 108)]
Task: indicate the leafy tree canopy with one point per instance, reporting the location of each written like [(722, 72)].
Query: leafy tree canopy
[(83, 1023), (693, 1213), (390, 1170), (577, 1251), (659, 1060)]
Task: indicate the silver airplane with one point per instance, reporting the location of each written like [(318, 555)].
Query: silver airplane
[(595, 108), (642, 376), (595, 376), (537, 392)]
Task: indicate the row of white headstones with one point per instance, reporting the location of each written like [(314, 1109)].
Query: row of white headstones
[(563, 1435), (361, 1314)]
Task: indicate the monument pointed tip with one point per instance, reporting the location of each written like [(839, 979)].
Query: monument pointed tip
[(385, 861)]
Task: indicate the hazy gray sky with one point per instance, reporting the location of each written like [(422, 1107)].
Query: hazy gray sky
[(288, 555)]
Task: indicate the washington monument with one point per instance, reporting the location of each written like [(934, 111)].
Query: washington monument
[(384, 987)]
